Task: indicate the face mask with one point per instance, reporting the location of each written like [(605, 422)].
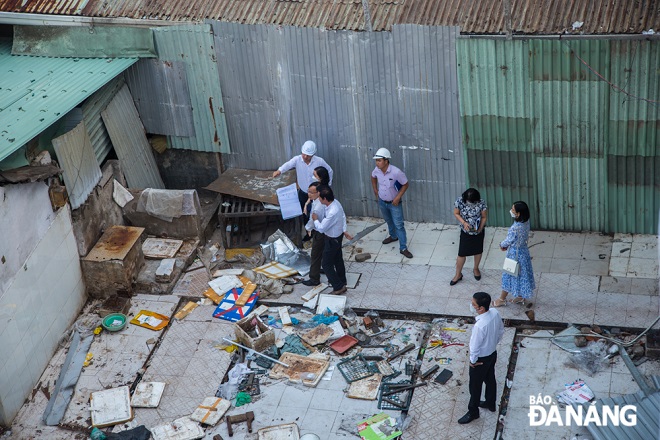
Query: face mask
[(512, 214), (473, 310)]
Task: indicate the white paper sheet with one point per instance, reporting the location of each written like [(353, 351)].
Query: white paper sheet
[(289, 203)]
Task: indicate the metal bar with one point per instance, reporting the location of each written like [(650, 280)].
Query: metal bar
[(404, 350), (639, 378), (406, 388), (250, 350)]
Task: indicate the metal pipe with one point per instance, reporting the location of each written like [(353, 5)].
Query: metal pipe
[(639, 378), (26, 19), (251, 350), (559, 37)]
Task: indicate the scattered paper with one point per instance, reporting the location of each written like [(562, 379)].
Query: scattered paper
[(221, 272), (289, 203), (120, 194), (149, 320), (225, 283), (576, 392)]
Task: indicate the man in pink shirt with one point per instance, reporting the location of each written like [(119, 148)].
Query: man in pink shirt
[(389, 184)]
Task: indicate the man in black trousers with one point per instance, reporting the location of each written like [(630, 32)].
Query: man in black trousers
[(486, 334), (333, 226)]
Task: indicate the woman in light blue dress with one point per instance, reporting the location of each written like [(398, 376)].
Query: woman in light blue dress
[(515, 244)]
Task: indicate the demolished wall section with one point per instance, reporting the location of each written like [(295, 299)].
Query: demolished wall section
[(99, 211)]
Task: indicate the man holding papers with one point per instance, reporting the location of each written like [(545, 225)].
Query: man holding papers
[(333, 226), (304, 165)]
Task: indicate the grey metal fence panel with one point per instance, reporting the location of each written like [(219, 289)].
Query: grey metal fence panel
[(91, 111), (161, 95), (126, 131), (352, 93)]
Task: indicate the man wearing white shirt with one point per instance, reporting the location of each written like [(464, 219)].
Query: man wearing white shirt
[(304, 165), (333, 225), (486, 334), (317, 238)]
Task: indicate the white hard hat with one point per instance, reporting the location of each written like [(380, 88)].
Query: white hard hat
[(383, 153), (309, 148)]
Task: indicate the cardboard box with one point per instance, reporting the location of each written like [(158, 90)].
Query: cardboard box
[(244, 327)]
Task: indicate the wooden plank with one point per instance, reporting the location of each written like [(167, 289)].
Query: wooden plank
[(284, 315), (186, 310), (245, 296), (313, 292)]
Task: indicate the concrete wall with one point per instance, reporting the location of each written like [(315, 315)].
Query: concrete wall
[(19, 237), (40, 300), (99, 211)]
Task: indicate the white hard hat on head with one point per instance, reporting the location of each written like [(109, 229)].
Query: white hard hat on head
[(309, 148), (383, 153)]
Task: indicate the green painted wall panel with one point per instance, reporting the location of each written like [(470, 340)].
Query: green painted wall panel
[(193, 46), (634, 122), (636, 137), (593, 161), (84, 42), (497, 133), (493, 77), (570, 193), (633, 208), (572, 117), (557, 61), (503, 177)]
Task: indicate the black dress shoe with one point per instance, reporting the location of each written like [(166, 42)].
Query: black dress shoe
[(311, 283), (453, 283), (467, 418), (389, 240), (483, 404)]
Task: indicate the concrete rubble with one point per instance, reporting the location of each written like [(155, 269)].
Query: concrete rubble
[(266, 356)]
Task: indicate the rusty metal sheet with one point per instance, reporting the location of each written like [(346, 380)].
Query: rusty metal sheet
[(115, 243), (252, 184), (298, 367), (29, 174), (365, 389)]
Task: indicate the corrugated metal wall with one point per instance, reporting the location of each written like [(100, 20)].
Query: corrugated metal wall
[(161, 95), (91, 111), (130, 141), (633, 156), (540, 125), (193, 45), (351, 93), (81, 170)]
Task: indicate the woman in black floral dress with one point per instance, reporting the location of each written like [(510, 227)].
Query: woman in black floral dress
[(471, 212)]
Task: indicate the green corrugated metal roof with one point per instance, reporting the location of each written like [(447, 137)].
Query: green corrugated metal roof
[(37, 91)]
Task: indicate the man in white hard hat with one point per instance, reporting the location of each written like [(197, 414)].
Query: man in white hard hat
[(304, 165), (389, 184)]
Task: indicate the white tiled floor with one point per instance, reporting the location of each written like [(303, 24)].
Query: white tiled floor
[(581, 279), (544, 368), (436, 244)]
